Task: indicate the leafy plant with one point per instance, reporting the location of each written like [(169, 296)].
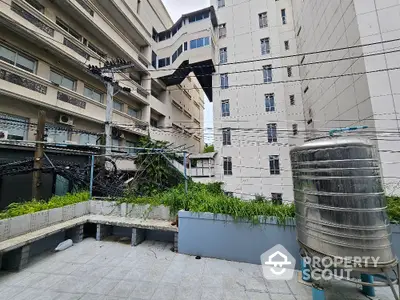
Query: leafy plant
[(393, 209), (29, 207), (155, 172), (209, 148), (210, 198)]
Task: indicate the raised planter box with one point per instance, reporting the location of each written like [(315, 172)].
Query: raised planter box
[(219, 236), (16, 226), (111, 208)]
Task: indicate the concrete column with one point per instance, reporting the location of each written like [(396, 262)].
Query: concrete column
[(102, 231), (16, 259), (176, 242), (75, 234), (138, 236), (146, 114)]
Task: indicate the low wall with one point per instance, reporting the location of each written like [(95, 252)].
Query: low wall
[(219, 236), (12, 227), (111, 208)]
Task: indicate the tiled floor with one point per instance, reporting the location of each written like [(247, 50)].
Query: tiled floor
[(112, 270)]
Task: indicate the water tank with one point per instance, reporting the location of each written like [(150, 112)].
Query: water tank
[(339, 199)]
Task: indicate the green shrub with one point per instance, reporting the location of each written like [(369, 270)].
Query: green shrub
[(393, 209), (23, 208), (210, 198)]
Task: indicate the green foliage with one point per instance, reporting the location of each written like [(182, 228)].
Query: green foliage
[(208, 148), (393, 209), (156, 172), (210, 198), (29, 207)]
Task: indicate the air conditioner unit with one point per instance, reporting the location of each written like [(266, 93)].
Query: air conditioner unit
[(3, 135), (67, 120)]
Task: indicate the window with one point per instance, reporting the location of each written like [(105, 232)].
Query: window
[(197, 17), (163, 62), (68, 29), (222, 30), (153, 122), (276, 198), (295, 129), (17, 59), (118, 105), (265, 47), (287, 45), (87, 139), (226, 136), (270, 102), (267, 73), (185, 46), (298, 32), (221, 3), (292, 101), (302, 59), (116, 143), (95, 49), (224, 81), (177, 53), (130, 145), (36, 5), (17, 127), (283, 14), (201, 42), (58, 134), (134, 112), (92, 94), (306, 90), (225, 108), (274, 165), (223, 55), (272, 136), (154, 59), (62, 80), (289, 71), (262, 19), (227, 165)]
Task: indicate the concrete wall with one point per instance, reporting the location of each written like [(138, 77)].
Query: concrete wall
[(248, 118), (219, 236)]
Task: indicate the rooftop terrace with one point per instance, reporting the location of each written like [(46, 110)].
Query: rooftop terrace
[(113, 269)]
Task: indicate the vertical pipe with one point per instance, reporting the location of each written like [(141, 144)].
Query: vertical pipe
[(184, 171), (318, 293), (91, 177), (368, 290)]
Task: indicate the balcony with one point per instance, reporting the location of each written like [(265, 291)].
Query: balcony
[(31, 88), (189, 46)]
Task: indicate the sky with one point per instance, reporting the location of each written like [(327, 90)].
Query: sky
[(176, 9)]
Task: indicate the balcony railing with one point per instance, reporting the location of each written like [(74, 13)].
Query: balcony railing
[(85, 7), (75, 48), (24, 82), (31, 18), (71, 100)]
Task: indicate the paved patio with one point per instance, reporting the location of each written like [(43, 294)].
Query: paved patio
[(113, 270)]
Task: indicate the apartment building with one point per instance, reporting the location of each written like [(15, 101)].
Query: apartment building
[(258, 111), (365, 97), (46, 47)]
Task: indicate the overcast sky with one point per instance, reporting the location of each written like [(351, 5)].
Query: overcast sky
[(176, 9)]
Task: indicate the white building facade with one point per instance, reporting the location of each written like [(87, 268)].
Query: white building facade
[(359, 91), (258, 112)]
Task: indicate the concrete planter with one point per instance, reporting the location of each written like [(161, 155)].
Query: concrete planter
[(105, 208), (219, 236), (396, 239), (147, 212), (10, 228)]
